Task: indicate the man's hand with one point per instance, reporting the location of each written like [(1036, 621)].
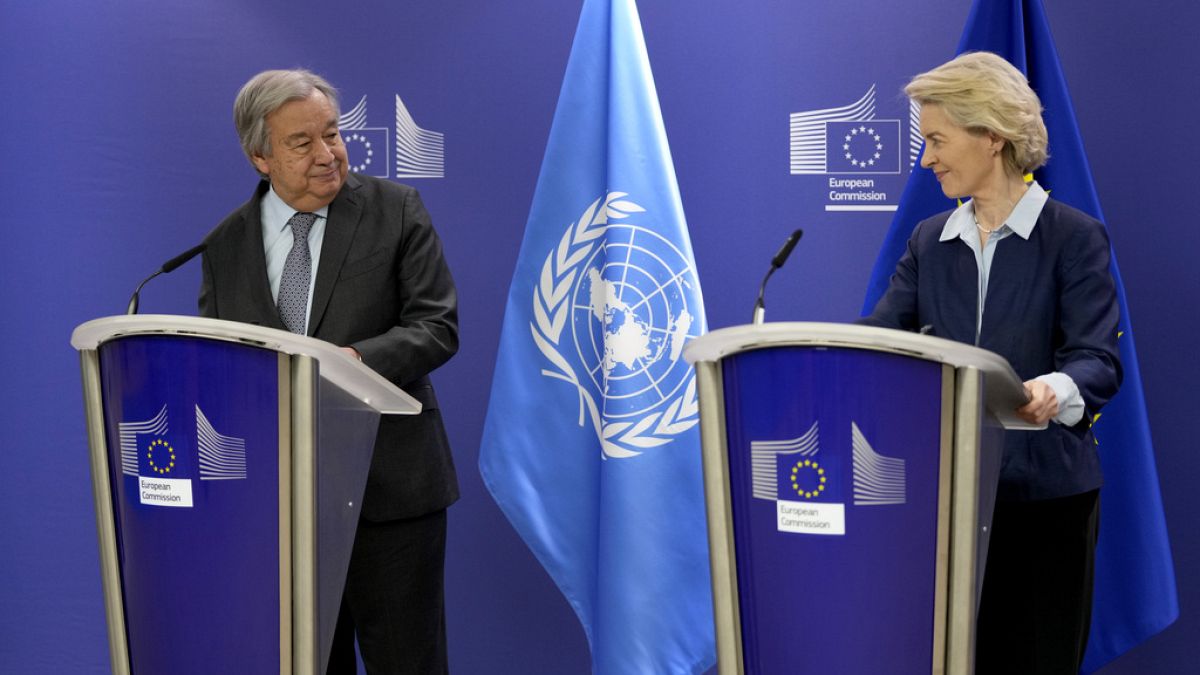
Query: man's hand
[(358, 357), (1042, 406)]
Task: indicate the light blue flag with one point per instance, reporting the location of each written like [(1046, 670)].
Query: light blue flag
[(591, 445), (1135, 593)]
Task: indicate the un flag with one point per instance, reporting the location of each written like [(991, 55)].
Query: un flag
[(591, 445)]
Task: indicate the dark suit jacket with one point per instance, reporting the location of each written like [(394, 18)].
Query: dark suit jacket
[(383, 288), (1051, 306)]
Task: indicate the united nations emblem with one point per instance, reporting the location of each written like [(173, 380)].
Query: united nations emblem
[(614, 306)]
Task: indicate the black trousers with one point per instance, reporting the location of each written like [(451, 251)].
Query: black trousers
[(393, 600), (1037, 590)]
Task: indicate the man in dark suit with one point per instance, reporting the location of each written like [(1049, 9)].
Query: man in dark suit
[(354, 261)]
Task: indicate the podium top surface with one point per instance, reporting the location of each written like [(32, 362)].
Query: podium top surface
[(336, 366), (1004, 390)]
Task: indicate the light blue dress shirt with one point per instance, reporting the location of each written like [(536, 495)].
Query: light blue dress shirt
[(277, 243), (1020, 223)]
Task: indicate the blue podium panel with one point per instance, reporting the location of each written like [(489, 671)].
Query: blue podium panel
[(834, 475), (193, 438)]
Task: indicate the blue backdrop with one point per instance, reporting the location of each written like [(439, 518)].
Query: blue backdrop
[(119, 151)]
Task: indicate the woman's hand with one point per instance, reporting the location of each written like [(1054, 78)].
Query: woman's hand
[(1042, 406)]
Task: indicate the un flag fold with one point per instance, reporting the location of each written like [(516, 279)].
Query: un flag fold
[(1135, 593), (591, 445)]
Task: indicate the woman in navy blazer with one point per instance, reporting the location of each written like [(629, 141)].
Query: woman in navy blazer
[(1027, 277)]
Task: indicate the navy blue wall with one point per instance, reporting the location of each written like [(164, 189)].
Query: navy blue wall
[(118, 152)]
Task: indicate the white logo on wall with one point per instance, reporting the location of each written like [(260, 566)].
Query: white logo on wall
[(764, 467), (612, 314), (854, 148), (219, 457), (419, 153), (811, 484), (878, 480)]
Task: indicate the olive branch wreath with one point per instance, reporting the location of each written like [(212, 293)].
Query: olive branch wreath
[(551, 309)]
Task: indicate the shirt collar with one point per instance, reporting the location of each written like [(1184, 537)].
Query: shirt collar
[(1021, 221), (277, 211)]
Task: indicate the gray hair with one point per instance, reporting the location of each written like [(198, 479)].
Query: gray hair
[(265, 93), (982, 92)]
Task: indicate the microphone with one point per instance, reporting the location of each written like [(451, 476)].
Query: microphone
[(169, 266), (760, 308)]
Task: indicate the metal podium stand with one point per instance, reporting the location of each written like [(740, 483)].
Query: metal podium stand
[(850, 476), (228, 465)]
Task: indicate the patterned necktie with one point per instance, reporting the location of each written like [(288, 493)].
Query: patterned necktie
[(297, 272)]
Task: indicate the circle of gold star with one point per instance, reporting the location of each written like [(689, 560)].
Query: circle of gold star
[(167, 463), (878, 149), (809, 467), (362, 139)]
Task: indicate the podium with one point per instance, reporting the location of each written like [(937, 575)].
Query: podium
[(228, 466), (850, 475)]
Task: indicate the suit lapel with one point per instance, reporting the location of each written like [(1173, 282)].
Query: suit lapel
[(962, 286), (344, 214), (258, 296)]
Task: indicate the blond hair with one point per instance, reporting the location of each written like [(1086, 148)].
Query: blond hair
[(982, 92)]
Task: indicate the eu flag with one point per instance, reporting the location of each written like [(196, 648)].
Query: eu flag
[(871, 146), (367, 151), (591, 446), (1135, 579)]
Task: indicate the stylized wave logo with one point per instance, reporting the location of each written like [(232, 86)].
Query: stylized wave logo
[(914, 133), (356, 118), (128, 433), (764, 471), (809, 148), (420, 153), (366, 147), (221, 457), (878, 480)]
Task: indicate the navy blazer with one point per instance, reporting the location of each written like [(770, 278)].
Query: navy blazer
[(382, 287), (1051, 306)]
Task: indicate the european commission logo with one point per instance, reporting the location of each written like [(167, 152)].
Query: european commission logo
[(852, 144), (863, 147), (419, 153), (808, 484), (164, 470)]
